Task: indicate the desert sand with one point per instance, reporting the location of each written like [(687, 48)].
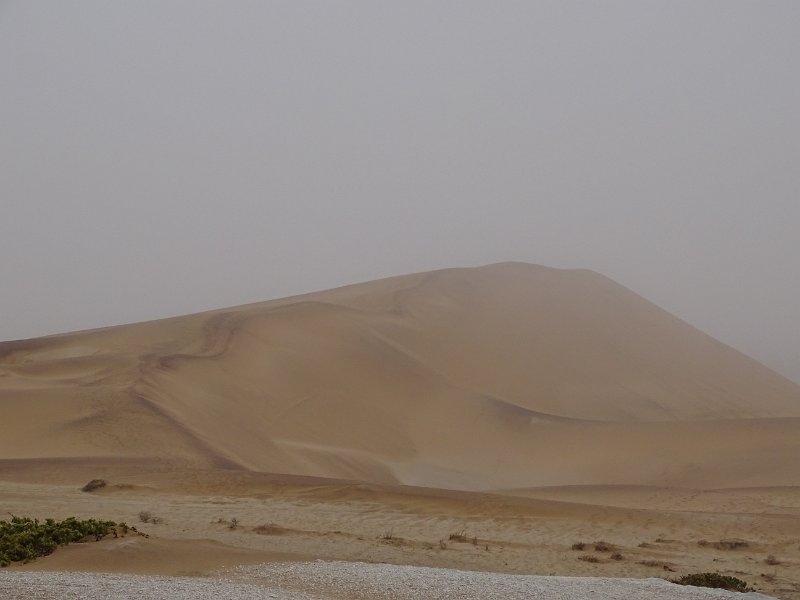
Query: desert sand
[(483, 419)]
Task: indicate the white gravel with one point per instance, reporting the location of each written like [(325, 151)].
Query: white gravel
[(57, 585), (323, 580)]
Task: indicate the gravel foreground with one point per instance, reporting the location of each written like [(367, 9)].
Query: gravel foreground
[(324, 580)]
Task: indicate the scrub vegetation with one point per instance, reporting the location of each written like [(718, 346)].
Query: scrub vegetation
[(23, 539)]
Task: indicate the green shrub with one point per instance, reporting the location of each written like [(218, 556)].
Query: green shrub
[(714, 580), (23, 539)]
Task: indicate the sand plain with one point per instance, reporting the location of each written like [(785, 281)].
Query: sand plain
[(483, 419)]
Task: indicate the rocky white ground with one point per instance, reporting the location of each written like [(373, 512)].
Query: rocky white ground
[(321, 580)]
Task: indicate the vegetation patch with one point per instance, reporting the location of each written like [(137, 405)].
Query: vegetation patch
[(23, 539), (589, 558), (145, 516), (732, 544), (714, 580), (578, 546)]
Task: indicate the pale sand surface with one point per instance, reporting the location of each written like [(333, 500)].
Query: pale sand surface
[(564, 407), (656, 532)]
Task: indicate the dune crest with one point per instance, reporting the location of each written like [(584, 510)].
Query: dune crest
[(505, 376)]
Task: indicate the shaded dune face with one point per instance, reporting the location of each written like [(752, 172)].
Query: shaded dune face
[(510, 375)]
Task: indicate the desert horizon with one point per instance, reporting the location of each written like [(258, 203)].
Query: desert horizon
[(399, 300), (508, 418)]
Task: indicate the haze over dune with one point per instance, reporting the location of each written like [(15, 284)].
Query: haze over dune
[(505, 376)]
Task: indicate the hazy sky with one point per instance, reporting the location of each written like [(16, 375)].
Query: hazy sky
[(159, 158)]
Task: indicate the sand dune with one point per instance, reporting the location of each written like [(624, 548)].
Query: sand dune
[(533, 408), (506, 376)]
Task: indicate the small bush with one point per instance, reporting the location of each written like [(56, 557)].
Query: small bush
[(589, 558), (714, 580), (94, 484), (771, 560), (145, 516), (578, 546), (617, 556)]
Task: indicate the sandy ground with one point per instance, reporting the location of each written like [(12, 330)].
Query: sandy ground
[(568, 411), (661, 533)]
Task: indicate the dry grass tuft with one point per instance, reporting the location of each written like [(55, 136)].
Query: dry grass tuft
[(270, 529), (651, 563), (459, 536), (602, 547)]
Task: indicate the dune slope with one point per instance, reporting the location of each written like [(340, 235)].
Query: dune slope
[(506, 376)]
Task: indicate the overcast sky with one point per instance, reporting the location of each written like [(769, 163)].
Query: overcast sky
[(160, 158)]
